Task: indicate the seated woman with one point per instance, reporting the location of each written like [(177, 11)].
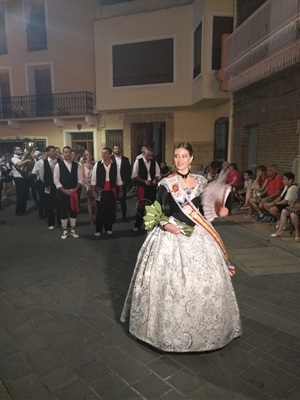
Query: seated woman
[(240, 195), (287, 196), (257, 190), (293, 212), (235, 180), (212, 171)]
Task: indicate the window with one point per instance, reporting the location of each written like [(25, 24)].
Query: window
[(197, 50), (220, 25), (221, 139), (143, 63), (3, 41), (36, 28), (113, 136)]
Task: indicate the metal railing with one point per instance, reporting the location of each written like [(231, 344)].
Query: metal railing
[(47, 105), (268, 41)]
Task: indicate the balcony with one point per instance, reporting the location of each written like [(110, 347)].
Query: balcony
[(267, 42), (46, 105)]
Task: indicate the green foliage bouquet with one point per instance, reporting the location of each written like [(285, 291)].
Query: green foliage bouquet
[(154, 214)]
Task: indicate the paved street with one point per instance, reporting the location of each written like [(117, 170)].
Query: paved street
[(60, 335)]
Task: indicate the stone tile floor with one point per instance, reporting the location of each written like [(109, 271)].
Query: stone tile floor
[(60, 335)]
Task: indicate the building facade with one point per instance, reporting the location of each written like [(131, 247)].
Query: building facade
[(88, 74), (263, 74)]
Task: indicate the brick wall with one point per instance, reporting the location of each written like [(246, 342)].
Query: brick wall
[(274, 106)]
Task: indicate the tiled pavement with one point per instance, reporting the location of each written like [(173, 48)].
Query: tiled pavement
[(60, 336)]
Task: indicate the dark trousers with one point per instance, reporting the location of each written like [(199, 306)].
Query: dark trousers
[(32, 184), (65, 206), (145, 199), (51, 201), (122, 200), (22, 191), (106, 211), (41, 191)]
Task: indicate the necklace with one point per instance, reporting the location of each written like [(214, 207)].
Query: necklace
[(184, 176)]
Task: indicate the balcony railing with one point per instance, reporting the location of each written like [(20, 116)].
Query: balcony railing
[(47, 105), (267, 42)]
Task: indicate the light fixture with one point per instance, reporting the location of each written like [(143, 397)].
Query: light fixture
[(79, 126)]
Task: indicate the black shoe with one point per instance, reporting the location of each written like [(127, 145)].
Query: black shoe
[(125, 219)]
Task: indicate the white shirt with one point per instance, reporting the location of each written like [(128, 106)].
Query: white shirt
[(291, 193), (39, 169), (56, 173), (135, 169), (222, 175), (118, 164), (107, 170), (15, 160)]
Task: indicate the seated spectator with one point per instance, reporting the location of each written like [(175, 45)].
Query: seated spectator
[(240, 195), (257, 189), (213, 171), (200, 170), (293, 212), (286, 198), (274, 189), (223, 171)]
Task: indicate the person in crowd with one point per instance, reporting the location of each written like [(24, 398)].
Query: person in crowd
[(21, 180), (235, 181), (223, 172), (287, 197), (200, 170), (164, 170), (87, 165), (68, 179), (146, 173), (257, 189), (212, 171), (40, 185), (33, 178), (5, 178), (240, 195), (104, 182), (123, 176), (274, 189), (292, 212), (45, 172), (74, 156), (187, 303), (59, 153)]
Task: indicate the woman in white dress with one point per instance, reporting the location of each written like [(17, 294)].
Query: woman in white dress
[(87, 166), (181, 298)]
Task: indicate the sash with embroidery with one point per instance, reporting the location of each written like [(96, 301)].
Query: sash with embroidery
[(189, 209)]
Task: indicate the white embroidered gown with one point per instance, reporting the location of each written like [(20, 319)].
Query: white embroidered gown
[(181, 298)]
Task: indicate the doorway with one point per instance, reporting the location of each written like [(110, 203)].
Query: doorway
[(82, 141), (148, 134)]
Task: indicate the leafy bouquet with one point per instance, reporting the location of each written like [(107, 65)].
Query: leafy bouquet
[(155, 214)]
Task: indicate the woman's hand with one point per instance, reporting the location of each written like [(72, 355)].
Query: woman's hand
[(223, 212), (172, 228)]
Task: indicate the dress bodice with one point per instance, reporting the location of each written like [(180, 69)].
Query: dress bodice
[(193, 194)]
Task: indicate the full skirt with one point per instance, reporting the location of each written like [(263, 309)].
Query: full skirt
[(181, 298)]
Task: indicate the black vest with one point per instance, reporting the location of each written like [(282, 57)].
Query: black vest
[(48, 174), (68, 179), (101, 175), (143, 172)]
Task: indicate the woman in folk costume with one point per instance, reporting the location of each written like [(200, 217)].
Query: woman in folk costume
[(181, 298)]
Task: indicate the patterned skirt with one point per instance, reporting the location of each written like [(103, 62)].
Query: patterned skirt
[(181, 298)]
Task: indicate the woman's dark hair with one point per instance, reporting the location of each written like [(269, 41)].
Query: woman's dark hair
[(234, 166), (289, 175), (185, 145), (262, 168)]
